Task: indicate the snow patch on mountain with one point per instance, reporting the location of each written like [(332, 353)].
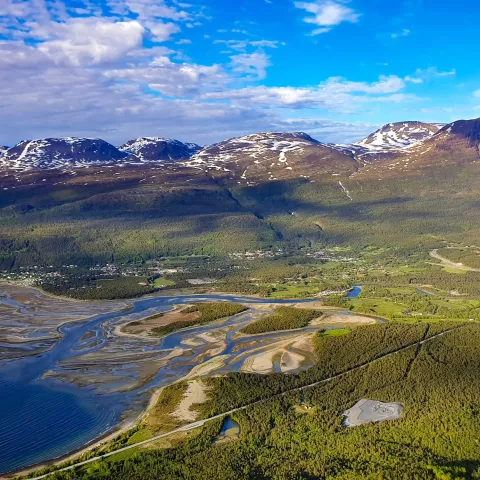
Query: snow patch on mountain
[(151, 149), (256, 146), (59, 153), (402, 135)]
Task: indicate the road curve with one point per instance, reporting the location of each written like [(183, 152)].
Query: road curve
[(448, 263), (200, 423)]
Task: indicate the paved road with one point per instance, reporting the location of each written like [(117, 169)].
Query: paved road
[(448, 263), (200, 423)]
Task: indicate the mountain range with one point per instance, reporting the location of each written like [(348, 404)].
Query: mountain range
[(86, 202), (258, 157)]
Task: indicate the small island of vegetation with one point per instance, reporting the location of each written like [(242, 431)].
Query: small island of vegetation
[(284, 318)]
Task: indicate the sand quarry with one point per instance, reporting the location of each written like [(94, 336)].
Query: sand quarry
[(366, 411)]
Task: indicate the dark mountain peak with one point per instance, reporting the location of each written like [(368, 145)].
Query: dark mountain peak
[(64, 152), (151, 149), (468, 129)]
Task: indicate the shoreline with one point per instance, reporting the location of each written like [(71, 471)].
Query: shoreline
[(124, 426), (106, 437)]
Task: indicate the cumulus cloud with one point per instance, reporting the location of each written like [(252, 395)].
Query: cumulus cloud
[(162, 31), (254, 64), (91, 41), (327, 14), (148, 9)]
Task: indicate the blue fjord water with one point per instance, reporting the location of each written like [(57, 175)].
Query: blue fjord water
[(42, 419)]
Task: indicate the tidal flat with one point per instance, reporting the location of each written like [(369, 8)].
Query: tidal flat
[(91, 377)]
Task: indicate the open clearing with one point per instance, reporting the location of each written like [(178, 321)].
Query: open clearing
[(195, 394), (365, 411)]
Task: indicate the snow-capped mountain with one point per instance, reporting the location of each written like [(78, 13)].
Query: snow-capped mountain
[(270, 156), (398, 136), (60, 153), (454, 144), (152, 149), (390, 141), (259, 157), (3, 149)]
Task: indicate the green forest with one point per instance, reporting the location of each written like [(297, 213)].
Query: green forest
[(283, 318), (300, 435), (208, 312)]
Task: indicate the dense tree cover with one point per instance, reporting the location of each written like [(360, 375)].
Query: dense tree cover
[(208, 312), (468, 283), (467, 256), (436, 439), (284, 318), (83, 221), (91, 287)]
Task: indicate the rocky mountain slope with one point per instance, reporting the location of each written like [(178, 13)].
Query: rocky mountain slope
[(51, 153), (454, 144), (271, 156), (260, 157), (398, 135), (152, 149)]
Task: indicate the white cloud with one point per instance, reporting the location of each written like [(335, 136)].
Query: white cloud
[(147, 9), (255, 64), (162, 32), (404, 33), (91, 41), (476, 93), (327, 14), (428, 74), (335, 95), (242, 45)]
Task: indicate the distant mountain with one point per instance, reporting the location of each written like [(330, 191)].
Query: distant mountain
[(390, 141), (398, 135), (456, 142), (271, 156), (260, 157), (152, 149), (60, 153), (3, 149)]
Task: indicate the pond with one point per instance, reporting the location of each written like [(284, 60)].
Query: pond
[(229, 431), (354, 292)]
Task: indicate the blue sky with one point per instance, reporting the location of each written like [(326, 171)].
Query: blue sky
[(205, 70)]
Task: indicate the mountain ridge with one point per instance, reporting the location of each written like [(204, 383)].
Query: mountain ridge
[(259, 156)]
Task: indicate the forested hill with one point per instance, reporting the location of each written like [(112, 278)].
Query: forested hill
[(136, 212)]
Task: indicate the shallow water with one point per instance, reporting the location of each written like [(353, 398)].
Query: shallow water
[(59, 400), (44, 418)]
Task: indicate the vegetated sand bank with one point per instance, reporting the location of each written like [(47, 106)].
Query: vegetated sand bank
[(142, 328), (339, 319), (196, 394)]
